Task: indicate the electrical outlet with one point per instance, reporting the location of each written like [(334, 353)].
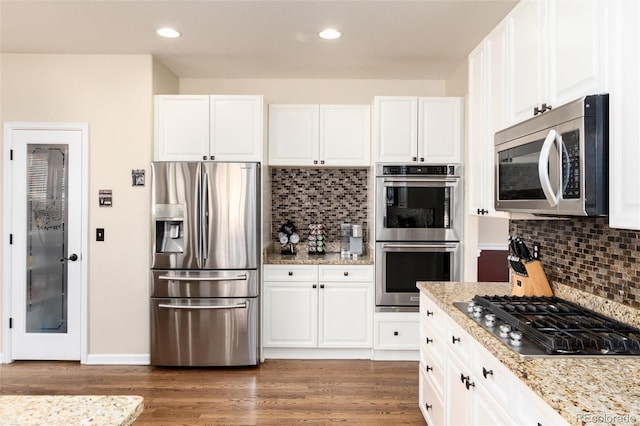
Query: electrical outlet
[(99, 234)]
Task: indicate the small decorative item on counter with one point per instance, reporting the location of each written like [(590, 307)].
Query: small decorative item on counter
[(316, 241), (355, 241), (288, 237)]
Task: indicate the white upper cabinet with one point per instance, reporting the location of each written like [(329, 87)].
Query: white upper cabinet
[(181, 127), (421, 130), (487, 112), (203, 127), (624, 116), (345, 135), (319, 135), (556, 53)]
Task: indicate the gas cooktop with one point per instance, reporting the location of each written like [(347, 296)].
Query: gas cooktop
[(550, 327)]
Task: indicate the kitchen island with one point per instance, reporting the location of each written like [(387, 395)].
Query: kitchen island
[(69, 410), (582, 390)]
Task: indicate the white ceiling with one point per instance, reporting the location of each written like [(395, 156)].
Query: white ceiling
[(382, 39)]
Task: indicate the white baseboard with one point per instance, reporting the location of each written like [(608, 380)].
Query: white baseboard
[(119, 359), (315, 353), (396, 355)]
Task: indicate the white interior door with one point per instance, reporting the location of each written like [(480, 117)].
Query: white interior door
[(46, 243)]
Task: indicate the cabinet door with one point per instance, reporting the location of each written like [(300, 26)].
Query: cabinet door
[(579, 52), (487, 412), (346, 315), (290, 315), (236, 128), (345, 135), (528, 43), (624, 113), (293, 135), (181, 128), (458, 399), (396, 132), (439, 130)]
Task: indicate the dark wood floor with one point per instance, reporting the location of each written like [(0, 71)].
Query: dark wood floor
[(354, 392)]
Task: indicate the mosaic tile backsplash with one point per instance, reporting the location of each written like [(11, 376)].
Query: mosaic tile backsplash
[(327, 196), (586, 254)]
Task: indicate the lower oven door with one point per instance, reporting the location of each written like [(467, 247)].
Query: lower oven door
[(399, 265), (204, 332)]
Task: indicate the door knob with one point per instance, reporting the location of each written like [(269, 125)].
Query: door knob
[(72, 258)]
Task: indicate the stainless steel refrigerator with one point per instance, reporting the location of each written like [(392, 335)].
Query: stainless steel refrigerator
[(204, 268)]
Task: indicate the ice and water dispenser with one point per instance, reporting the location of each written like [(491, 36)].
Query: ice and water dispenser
[(169, 221)]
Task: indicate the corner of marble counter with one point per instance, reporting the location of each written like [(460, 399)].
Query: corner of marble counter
[(574, 387)]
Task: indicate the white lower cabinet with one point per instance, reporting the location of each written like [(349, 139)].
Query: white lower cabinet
[(318, 306), (462, 383), (396, 336)]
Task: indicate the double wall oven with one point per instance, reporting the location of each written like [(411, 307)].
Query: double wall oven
[(418, 231)]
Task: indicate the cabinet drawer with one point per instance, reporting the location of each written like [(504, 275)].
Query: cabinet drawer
[(345, 273), (431, 405), (433, 369), (433, 345), (434, 318), (401, 332), (290, 273), (460, 342)]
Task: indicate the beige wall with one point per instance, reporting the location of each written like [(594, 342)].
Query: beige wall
[(329, 91), (113, 94)]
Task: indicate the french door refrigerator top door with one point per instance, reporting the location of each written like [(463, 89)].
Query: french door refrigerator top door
[(204, 215)]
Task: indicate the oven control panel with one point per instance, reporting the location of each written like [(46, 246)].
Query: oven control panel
[(425, 170)]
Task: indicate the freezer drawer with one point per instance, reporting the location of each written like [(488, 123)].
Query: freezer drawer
[(204, 332)]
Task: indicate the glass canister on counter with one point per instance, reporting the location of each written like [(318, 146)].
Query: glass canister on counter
[(345, 235), (355, 240), (316, 241)]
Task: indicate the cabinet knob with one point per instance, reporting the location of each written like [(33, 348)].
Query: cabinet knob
[(290, 273), (427, 340), (422, 159), (428, 407), (454, 339), (314, 286), (463, 378), (414, 158), (429, 313), (204, 157), (213, 157), (346, 273), (395, 333), (483, 211), (486, 372), (321, 161), (315, 161), (321, 285), (429, 368), (469, 384)]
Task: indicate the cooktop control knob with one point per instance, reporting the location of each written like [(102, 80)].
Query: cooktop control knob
[(490, 320), (470, 307), (515, 338), (505, 330), (477, 311)]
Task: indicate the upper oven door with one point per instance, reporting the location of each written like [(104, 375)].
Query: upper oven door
[(418, 209), (541, 172)]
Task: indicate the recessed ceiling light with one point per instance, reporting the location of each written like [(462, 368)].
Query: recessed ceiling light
[(168, 32), (330, 34)]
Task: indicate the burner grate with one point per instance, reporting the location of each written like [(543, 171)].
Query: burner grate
[(561, 326)]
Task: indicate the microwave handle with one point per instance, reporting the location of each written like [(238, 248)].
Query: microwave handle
[(543, 167)]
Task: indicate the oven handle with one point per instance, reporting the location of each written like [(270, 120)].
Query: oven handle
[(239, 306), (242, 277), (418, 182), (444, 246)]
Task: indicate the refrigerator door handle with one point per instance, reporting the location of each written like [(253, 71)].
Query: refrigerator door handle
[(238, 306), (242, 277), (205, 218), (198, 216)]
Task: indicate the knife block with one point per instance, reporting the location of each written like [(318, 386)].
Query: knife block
[(534, 284)]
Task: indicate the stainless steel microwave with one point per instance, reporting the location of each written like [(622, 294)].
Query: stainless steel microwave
[(556, 163)]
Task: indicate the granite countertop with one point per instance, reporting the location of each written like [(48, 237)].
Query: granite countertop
[(271, 256), (583, 390), (69, 410)]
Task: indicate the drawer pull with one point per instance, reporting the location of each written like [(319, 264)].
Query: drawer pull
[(321, 285), (290, 273), (427, 340), (486, 372), (429, 313), (346, 273), (455, 339), (395, 333), (314, 286)]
